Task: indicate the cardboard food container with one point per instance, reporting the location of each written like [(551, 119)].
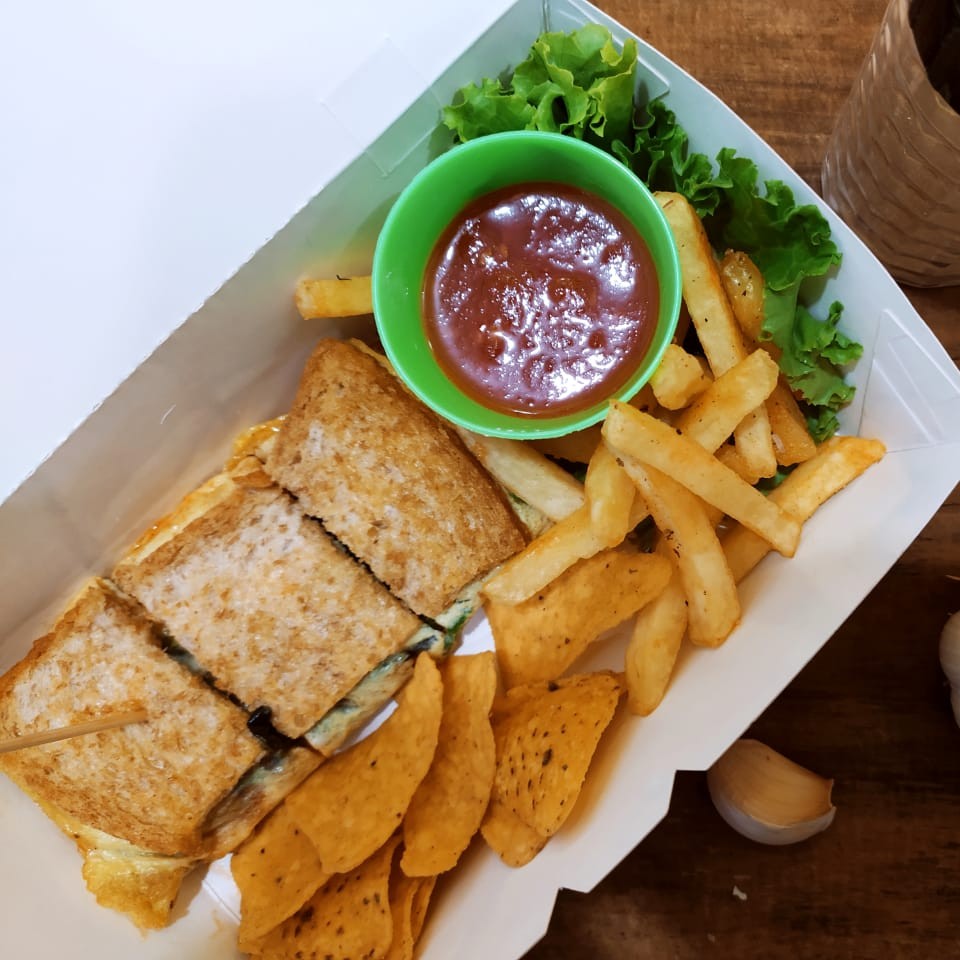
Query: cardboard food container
[(237, 360)]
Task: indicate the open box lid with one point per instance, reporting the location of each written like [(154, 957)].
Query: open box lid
[(236, 361), (148, 155)]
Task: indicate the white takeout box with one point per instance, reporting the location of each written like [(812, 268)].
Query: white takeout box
[(237, 360)]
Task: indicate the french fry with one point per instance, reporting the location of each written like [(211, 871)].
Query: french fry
[(713, 607), (730, 457), (655, 444), (527, 474), (754, 440), (712, 417), (679, 378), (838, 461), (791, 438), (588, 530), (336, 297), (655, 642), (610, 494), (714, 320), (576, 447), (716, 412), (546, 557), (743, 283), (703, 292)]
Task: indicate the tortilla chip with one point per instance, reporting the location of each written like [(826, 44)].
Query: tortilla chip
[(508, 836), (449, 804), (541, 637), (277, 871), (420, 905), (545, 745), (356, 800), (346, 919), (409, 898)]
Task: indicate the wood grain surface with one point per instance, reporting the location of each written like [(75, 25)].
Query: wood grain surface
[(871, 710)]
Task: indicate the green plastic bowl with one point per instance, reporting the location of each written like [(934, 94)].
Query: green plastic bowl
[(432, 200)]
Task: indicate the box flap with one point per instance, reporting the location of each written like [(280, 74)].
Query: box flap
[(147, 157)]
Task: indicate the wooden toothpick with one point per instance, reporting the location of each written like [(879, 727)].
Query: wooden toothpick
[(108, 722)]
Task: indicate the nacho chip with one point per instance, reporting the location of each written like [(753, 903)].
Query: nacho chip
[(450, 802), (508, 836), (409, 899), (346, 919), (505, 833), (420, 905), (539, 638), (277, 871), (355, 801), (545, 745)]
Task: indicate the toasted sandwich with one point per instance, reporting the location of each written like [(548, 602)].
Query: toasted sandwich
[(145, 787), (298, 585), (390, 480)]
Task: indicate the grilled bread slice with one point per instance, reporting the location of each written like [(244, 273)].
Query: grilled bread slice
[(263, 599), (390, 480), (150, 783)]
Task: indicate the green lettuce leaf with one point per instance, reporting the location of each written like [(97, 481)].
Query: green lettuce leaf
[(660, 157), (487, 108), (581, 84), (575, 83), (812, 354), (786, 241), (822, 423)]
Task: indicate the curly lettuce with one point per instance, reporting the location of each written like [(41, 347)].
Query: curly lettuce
[(575, 83), (813, 353), (661, 158)]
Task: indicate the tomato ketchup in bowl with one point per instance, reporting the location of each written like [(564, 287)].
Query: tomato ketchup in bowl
[(540, 299), (521, 281)]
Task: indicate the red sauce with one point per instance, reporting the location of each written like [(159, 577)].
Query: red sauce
[(540, 299)]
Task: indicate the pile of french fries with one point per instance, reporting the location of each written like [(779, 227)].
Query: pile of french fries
[(687, 452)]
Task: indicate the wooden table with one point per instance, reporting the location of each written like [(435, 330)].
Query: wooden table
[(871, 709)]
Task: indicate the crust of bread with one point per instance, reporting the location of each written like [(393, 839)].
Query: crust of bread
[(389, 479), (151, 784), (264, 599)]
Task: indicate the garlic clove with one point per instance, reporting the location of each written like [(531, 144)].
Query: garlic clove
[(768, 798), (955, 703), (950, 650)]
